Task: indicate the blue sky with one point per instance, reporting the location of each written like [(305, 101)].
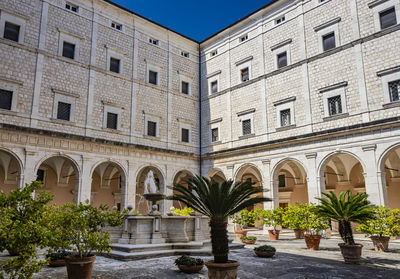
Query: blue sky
[(195, 19)]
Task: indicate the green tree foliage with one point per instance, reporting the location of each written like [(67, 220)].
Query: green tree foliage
[(386, 223), (272, 218), (304, 217), (245, 218)]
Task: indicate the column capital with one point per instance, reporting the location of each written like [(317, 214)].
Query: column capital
[(266, 162), (312, 155), (369, 147), (230, 167), (30, 152)]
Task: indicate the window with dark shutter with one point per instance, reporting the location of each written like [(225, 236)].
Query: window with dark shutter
[(335, 105), (328, 41), (5, 99), (244, 74), (282, 59), (214, 86), (388, 18), (68, 50), (214, 134), (114, 65), (11, 31), (64, 111), (151, 128), (185, 135), (285, 117), (40, 175), (394, 88), (246, 127), (282, 180), (185, 87), (153, 77), (112, 120)]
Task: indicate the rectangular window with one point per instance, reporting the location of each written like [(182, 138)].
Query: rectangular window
[(335, 105), (185, 54), (115, 65), (40, 175), (282, 59), (151, 128), (214, 86), (64, 111), (68, 50), (388, 18), (280, 20), (244, 38), (285, 117), (71, 7), (328, 41), (154, 41), (116, 26), (244, 74), (112, 120), (394, 88), (185, 135), (214, 135), (246, 127), (5, 99), (282, 180), (185, 87), (213, 53), (11, 31), (153, 77)]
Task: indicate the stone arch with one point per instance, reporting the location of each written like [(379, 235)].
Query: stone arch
[(141, 204), (179, 178), (60, 175), (389, 166), (217, 174), (11, 170), (109, 184), (290, 182)]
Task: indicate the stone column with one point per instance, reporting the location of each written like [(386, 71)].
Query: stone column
[(374, 187), (230, 172), (29, 173), (315, 183), (85, 181), (169, 181), (268, 185), (130, 191)]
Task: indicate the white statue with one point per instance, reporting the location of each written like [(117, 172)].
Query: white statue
[(150, 184)]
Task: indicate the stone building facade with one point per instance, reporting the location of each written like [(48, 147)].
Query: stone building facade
[(299, 96)]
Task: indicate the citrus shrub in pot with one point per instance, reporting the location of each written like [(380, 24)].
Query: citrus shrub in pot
[(83, 227), (294, 218), (218, 201), (265, 251), (314, 225), (272, 218), (243, 219), (385, 224), (346, 208), (188, 264)]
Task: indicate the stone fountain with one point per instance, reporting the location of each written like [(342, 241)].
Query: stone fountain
[(152, 193)]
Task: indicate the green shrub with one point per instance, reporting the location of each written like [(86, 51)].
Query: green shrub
[(248, 238), (245, 218), (386, 223), (272, 218), (188, 261), (265, 248)]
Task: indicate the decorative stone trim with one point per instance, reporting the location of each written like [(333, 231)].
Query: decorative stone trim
[(107, 103), (230, 167), (215, 121), (369, 147), (391, 105), (115, 50), (376, 3), (214, 74), (335, 117), (244, 60), (388, 71), (247, 136), (66, 93), (333, 86), (285, 128), (70, 34), (25, 17), (281, 44), (244, 112), (286, 100), (266, 162), (326, 24), (311, 155), (11, 80)]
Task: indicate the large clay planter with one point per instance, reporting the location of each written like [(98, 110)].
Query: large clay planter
[(249, 241), (78, 268), (190, 269), (299, 234), (351, 253), (312, 241), (273, 234), (381, 243), (222, 270), (57, 263), (240, 233), (264, 254)]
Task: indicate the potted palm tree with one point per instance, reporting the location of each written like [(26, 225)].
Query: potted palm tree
[(218, 201), (380, 229), (272, 218), (345, 209)]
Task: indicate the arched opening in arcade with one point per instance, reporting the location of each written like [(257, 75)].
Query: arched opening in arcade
[(290, 183), (10, 171), (391, 169), (146, 177), (217, 174), (108, 185), (180, 178), (60, 177)]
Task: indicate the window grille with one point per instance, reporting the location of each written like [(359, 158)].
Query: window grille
[(214, 134), (116, 26), (246, 126), (394, 88), (71, 7), (282, 180), (11, 31), (114, 65), (335, 105), (328, 41), (112, 120), (244, 73), (388, 18), (5, 99), (285, 117), (185, 135), (64, 111), (68, 50), (151, 128), (282, 60)]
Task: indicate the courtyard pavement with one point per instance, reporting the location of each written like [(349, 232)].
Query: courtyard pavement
[(292, 261)]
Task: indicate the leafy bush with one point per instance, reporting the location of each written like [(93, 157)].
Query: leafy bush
[(265, 248), (386, 223), (188, 261), (58, 255), (245, 218), (186, 211), (248, 238), (295, 216), (272, 218)]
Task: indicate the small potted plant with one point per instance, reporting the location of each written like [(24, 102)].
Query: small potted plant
[(57, 258), (313, 225), (265, 251), (248, 239), (380, 229), (346, 208), (294, 217), (272, 218), (241, 220), (188, 264)]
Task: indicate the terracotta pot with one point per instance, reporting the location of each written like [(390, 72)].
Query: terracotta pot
[(57, 263), (264, 254), (273, 234), (79, 268), (240, 233), (249, 241), (351, 253), (298, 233), (381, 243), (312, 241), (222, 270), (190, 269), (13, 253)]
